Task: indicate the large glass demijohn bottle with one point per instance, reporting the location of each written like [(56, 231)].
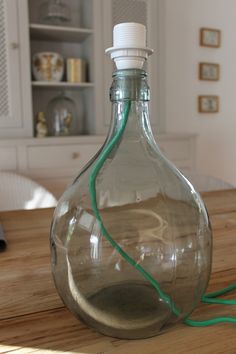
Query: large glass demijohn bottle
[(130, 238)]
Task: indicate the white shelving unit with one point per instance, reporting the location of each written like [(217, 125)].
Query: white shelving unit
[(58, 33), (73, 39), (45, 84)]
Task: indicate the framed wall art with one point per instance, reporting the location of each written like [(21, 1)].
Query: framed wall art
[(210, 37), (209, 71), (208, 104)]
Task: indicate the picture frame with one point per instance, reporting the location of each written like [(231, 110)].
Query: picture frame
[(209, 71), (210, 37), (208, 104)]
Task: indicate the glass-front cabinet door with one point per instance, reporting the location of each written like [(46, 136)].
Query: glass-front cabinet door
[(12, 77)]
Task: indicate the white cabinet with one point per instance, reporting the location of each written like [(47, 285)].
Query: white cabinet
[(8, 158), (89, 32), (23, 33), (54, 162), (87, 35), (15, 113)]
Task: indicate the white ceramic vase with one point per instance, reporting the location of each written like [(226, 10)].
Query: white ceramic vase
[(48, 66)]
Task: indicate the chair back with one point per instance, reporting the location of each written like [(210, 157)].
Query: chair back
[(205, 183), (19, 192)]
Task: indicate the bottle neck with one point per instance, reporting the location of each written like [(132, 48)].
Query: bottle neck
[(130, 85)]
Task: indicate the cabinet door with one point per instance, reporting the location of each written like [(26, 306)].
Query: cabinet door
[(10, 100), (146, 12), (12, 54)]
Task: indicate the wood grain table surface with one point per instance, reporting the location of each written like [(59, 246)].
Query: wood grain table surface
[(34, 320)]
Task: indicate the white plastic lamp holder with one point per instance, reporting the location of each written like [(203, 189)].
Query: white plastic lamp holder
[(129, 49)]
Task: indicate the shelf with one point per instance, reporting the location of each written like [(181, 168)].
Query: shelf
[(61, 84), (58, 33)]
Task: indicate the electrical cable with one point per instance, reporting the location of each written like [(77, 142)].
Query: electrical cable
[(207, 298)]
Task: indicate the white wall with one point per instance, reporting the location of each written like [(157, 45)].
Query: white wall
[(217, 132)]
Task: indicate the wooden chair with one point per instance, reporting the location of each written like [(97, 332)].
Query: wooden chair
[(20, 192), (205, 183)]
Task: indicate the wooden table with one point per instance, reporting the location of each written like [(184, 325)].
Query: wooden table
[(34, 320)]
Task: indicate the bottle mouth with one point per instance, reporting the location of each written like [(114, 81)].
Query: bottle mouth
[(129, 84), (129, 73)]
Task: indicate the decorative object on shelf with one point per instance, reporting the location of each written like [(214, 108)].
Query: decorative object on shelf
[(76, 70), (62, 116), (209, 71), (55, 12), (210, 37), (48, 66), (208, 104), (41, 125)]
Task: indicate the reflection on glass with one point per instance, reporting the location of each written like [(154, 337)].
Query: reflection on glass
[(55, 12)]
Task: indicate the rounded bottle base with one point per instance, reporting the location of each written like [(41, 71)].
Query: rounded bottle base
[(131, 311)]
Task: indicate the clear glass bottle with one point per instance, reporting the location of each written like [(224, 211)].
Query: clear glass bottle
[(151, 211), (130, 238)]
